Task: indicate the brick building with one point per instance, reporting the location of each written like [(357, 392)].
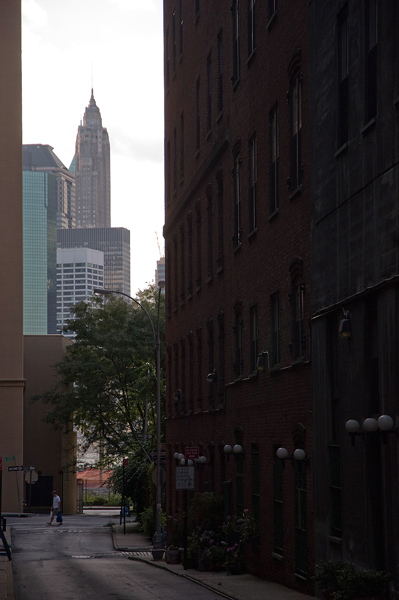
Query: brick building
[(237, 224), (355, 277)]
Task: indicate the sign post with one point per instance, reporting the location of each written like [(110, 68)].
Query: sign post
[(185, 481)]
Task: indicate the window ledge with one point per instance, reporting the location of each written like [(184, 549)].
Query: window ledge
[(219, 117), (253, 375), (252, 234), (219, 269), (198, 289), (275, 368), (271, 20), (235, 82), (208, 134), (274, 214), (342, 149), (369, 126), (396, 101), (296, 192), (209, 278), (277, 556), (237, 248), (251, 56)]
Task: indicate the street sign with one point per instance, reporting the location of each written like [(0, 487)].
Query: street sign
[(15, 468), (31, 477), (184, 478), (191, 452)]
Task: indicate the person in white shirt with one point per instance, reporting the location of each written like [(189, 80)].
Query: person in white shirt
[(56, 508)]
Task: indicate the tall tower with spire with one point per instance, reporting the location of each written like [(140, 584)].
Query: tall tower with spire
[(92, 170)]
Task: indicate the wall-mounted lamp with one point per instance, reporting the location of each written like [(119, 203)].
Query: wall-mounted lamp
[(299, 454), (212, 377), (236, 450), (188, 462), (345, 325), (384, 424), (261, 362)]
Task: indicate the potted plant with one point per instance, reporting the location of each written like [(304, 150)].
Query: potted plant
[(214, 557), (172, 555), (234, 561), (340, 580)]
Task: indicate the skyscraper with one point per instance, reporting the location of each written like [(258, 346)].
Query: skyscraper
[(92, 170), (40, 157), (114, 242)]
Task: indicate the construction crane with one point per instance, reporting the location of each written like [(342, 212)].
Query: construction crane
[(159, 247)]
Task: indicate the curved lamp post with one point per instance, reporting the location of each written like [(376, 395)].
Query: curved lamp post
[(157, 539)]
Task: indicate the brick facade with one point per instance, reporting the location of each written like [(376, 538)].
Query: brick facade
[(237, 255)]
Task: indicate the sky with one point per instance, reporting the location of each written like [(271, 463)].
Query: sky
[(116, 48)]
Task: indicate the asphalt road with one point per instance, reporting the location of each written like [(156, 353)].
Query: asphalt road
[(77, 561)]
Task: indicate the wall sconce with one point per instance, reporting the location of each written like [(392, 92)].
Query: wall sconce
[(384, 424), (212, 377), (345, 325), (299, 454), (188, 462), (261, 362), (236, 450)]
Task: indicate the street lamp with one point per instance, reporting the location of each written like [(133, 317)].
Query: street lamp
[(157, 539)]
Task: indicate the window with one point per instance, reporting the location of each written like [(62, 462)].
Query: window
[(167, 173), (255, 482), (200, 374), (238, 331), (210, 231), (252, 183), (297, 311), (181, 27), (236, 44), (335, 491), (278, 517), (251, 27), (190, 253), (182, 146), (175, 269), (182, 263), (174, 160), (197, 8), (371, 58), (211, 363), (220, 73), (274, 160), (254, 338), (275, 345), (272, 8), (209, 93), (199, 245), (220, 220), (237, 200), (301, 553), (174, 41), (167, 58), (197, 115), (296, 132), (343, 77)]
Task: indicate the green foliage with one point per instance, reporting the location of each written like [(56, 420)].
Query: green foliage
[(91, 499), (107, 379), (134, 480), (348, 581)]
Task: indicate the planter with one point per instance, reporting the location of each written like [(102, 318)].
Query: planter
[(157, 554), (172, 557)]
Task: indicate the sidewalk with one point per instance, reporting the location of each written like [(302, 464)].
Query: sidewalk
[(235, 587)]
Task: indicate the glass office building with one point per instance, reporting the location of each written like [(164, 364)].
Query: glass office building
[(39, 252)]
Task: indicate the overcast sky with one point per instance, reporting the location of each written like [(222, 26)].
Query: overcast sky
[(114, 46)]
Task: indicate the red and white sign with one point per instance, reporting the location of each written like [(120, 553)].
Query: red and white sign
[(191, 452)]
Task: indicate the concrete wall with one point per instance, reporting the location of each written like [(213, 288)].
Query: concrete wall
[(11, 340), (51, 451)]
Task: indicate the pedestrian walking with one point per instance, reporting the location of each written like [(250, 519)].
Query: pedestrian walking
[(56, 509)]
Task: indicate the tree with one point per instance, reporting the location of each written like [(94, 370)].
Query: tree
[(107, 379)]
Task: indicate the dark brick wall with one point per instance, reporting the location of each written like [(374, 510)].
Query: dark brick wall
[(271, 408)]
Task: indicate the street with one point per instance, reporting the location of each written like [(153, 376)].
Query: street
[(77, 560)]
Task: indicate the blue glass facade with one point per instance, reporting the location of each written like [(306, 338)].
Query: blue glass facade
[(39, 252)]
